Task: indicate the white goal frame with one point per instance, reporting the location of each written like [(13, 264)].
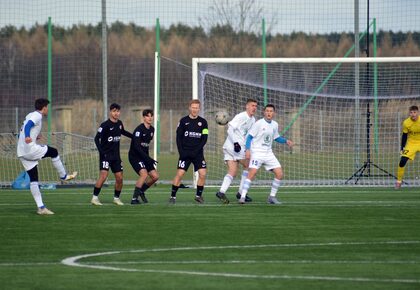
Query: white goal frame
[(338, 60), (197, 60)]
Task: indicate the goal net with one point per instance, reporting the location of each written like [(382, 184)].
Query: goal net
[(78, 153), (344, 114)]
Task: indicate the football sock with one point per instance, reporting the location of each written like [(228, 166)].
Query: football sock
[(144, 187), (200, 189), (96, 191), (226, 183), (245, 187), (59, 166), (243, 177), (275, 186), (117, 193), (36, 193), (136, 193), (174, 190), (400, 173)]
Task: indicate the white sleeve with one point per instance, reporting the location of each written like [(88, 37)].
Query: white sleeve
[(234, 125), (254, 129), (36, 118), (235, 122), (231, 134), (276, 131)]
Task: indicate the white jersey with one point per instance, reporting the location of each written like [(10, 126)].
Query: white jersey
[(23, 148), (238, 130), (264, 134)]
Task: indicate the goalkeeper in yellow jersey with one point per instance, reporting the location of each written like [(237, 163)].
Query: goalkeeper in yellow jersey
[(410, 142)]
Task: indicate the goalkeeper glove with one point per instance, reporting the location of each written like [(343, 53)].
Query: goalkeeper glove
[(237, 147)]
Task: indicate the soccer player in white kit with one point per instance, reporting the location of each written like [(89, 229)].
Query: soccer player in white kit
[(30, 152), (259, 144), (234, 149)]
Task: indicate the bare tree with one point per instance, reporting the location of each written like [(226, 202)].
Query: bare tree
[(240, 15)]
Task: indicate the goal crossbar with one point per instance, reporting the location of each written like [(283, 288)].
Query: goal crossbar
[(249, 60)]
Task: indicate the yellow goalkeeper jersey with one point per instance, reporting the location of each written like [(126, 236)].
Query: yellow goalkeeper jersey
[(412, 128)]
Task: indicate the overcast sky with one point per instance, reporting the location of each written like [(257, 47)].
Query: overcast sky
[(316, 16)]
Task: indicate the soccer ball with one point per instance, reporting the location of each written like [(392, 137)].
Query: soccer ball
[(222, 117)]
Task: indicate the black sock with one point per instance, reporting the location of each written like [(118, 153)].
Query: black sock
[(144, 187), (117, 193), (137, 192), (200, 190), (96, 191), (174, 190)]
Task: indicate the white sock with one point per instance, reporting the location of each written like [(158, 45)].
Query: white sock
[(275, 186), (36, 193), (226, 183), (243, 177), (245, 187), (59, 166)]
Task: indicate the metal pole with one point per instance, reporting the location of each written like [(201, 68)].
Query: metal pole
[(356, 85), (17, 120), (321, 131), (49, 78), (104, 61), (94, 121), (368, 92), (171, 129), (264, 55)]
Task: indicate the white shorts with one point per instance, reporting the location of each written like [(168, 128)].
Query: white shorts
[(230, 154), (31, 159), (268, 160)]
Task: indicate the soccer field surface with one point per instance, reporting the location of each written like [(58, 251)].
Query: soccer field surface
[(324, 238)]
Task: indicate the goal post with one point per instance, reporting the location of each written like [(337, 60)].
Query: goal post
[(344, 114)]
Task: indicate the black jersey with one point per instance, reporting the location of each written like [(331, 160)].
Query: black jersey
[(191, 135), (108, 137), (141, 140)]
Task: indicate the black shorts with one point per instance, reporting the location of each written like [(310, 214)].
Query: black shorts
[(198, 161), (138, 164), (115, 165)]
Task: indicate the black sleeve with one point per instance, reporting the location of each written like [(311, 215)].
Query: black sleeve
[(403, 140), (204, 137), (98, 138), (125, 133), (179, 136)]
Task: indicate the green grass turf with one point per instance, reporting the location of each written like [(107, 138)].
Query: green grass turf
[(327, 238)]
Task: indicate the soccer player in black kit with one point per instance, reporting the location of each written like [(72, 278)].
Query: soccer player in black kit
[(107, 141), (191, 136), (139, 157)]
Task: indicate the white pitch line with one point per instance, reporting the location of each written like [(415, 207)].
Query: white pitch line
[(28, 264), (218, 204), (74, 262), (369, 262)]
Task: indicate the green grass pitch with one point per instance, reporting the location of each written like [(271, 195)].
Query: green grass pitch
[(326, 238)]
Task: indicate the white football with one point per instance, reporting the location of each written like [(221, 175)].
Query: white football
[(222, 117)]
